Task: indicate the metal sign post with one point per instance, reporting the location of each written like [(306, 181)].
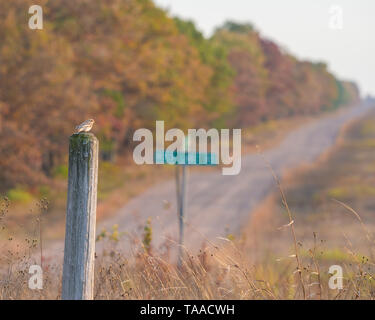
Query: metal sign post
[(181, 185), (181, 207)]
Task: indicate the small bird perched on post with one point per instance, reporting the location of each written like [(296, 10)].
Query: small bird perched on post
[(85, 126)]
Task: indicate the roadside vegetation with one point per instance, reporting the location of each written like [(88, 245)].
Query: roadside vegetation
[(264, 262), (335, 197)]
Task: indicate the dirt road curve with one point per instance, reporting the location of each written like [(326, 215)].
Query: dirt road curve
[(217, 204)]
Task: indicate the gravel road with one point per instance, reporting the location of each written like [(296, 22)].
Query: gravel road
[(217, 204)]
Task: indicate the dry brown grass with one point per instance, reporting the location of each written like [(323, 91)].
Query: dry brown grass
[(217, 272)]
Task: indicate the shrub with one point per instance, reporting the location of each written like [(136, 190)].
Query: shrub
[(19, 195)]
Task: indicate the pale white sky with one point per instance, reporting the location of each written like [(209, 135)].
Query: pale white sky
[(300, 26)]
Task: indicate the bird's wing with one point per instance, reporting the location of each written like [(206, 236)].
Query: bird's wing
[(84, 123)]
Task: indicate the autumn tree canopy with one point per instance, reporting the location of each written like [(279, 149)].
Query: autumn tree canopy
[(126, 63)]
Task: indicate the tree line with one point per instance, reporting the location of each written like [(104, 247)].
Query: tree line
[(127, 63)]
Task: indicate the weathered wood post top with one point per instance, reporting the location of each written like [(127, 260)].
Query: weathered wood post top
[(79, 252)]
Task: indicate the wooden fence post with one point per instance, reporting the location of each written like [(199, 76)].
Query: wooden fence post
[(79, 252)]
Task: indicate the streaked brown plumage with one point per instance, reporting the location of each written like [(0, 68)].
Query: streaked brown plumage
[(85, 126)]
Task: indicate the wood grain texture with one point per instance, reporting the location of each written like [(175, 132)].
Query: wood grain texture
[(79, 252)]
